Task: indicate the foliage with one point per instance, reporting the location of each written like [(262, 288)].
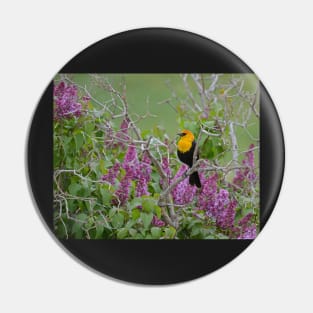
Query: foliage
[(115, 180)]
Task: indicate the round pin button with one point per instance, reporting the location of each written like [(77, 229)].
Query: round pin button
[(155, 156)]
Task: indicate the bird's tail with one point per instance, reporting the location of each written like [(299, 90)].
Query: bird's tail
[(194, 179)]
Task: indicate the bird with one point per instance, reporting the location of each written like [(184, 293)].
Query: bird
[(185, 150)]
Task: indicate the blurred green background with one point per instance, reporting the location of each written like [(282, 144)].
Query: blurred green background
[(161, 93)]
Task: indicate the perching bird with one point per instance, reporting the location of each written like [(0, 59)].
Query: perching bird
[(185, 149)]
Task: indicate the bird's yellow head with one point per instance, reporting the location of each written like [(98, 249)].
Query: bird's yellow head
[(185, 142)]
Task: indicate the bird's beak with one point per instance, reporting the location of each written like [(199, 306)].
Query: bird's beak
[(180, 134)]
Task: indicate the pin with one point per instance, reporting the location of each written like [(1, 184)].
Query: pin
[(121, 191)]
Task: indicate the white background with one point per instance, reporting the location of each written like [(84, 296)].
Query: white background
[(274, 38)]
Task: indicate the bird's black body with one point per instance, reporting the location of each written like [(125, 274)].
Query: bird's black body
[(187, 158)]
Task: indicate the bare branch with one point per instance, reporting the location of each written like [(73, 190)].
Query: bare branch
[(233, 141), (189, 92)]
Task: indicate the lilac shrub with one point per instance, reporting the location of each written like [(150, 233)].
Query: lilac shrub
[(217, 203), (66, 101)]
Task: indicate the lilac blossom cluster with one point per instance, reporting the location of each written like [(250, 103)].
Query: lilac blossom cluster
[(66, 101), (216, 202), (112, 174), (219, 206), (157, 222), (122, 134), (183, 193), (135, 170), (121, 137), (247, 228), (248, 173), (167, 171)]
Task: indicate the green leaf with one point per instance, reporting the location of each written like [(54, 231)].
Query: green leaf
[(156, 232), (158, 211), (135, 214), (99, 230), (132, 232), (77, 231), (79, 140), (108, 163), (118, 220), (85, 189), (146, 219), (72, 205), (134, 203), (156, 187), (130, 224), (82, 217), (112, 212), (194, 223), (170, 232), (90, 205), (89, 127), (148, 204), (67, 145), (122, 233), (196, 230), (209, 124), (106, 194), (74, 188), (222, 236)]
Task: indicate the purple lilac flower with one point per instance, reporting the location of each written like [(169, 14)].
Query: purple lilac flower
[(217, 204), (112, 174), (122, 134), (248, 232), (130, 163), (130, 166), (108, 139), (248, 173), (248, 229), (143, 176), (85, 98), (226, 216), (66, 101), (183, 193), (134, 171), (208, 191), (122, 192), (166, 168), (157, 222), (249, 161), (245, 220)]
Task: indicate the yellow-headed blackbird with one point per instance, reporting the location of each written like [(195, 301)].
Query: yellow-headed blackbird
[(185, 149)]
